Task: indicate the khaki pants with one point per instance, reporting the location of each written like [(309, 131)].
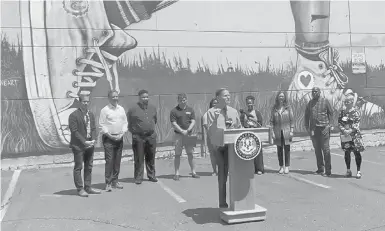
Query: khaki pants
[(180, 143)]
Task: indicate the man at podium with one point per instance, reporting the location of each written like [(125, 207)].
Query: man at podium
[(222, 116)]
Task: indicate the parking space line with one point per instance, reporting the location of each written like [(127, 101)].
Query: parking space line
[(8, 195), (303, 179), (363, 160), (178, 198), (307, 181)]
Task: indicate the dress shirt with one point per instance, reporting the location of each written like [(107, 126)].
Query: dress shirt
[(318, 113), (113, 120), (142, 119), (216, 121)]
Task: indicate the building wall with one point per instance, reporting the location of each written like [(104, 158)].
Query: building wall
[(192, 47)]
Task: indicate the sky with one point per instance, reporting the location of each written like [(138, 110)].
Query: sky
[(272, 23)]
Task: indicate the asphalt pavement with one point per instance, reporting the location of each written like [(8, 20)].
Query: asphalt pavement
[(45, 199)]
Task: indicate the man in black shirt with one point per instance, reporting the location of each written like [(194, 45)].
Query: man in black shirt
[(142, 119), (182, 118)]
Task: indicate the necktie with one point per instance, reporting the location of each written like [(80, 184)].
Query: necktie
[(88, 125)]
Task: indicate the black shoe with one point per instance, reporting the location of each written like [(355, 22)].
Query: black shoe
[(153, 179), (138, 181), (327, 174), (224, 206), (93, 191), (176, 177), (82, 193)]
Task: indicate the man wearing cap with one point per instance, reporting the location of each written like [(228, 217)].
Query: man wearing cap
[(318, 117), (182, 118), (222, 116)]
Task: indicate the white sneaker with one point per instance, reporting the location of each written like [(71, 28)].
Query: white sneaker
[(60, 63), (280, 171), (329, 77), (359, 175)]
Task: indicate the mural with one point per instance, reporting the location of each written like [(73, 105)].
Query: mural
[(53, 50)]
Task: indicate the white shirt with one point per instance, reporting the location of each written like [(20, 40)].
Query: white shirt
[(113, 120)]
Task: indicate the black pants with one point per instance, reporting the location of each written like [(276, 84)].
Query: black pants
[(280, 149), (222, 157), (144, 148), (113, 156), (321, 146), (358, 158), (80, 156), (258, 163)]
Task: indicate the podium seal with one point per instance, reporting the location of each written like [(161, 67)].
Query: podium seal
[(247, 145)]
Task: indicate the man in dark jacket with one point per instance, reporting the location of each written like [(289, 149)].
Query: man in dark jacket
[(83, 133)]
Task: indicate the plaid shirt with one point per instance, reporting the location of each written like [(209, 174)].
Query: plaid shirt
[(318, 113)]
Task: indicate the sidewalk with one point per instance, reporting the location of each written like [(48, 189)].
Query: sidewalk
[(372, 138)]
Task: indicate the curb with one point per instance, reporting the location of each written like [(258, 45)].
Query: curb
[(372, 138)]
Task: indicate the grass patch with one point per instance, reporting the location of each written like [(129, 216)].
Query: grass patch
[(159, 74)]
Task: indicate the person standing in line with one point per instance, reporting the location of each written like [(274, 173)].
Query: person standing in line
[(142, 119), (351, 137), (218, 118), (113, 124), (252, 118), (83, 133), (182, 118), (318, 117), (213, 103), (282, 122)]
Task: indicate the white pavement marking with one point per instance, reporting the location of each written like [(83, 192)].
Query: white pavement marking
[(172, 193), (168, 190), (307, 181), (50, 195), (303, 179), (8, 195), (363, 160)]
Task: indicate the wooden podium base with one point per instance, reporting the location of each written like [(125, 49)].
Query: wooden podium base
[(232, 217)]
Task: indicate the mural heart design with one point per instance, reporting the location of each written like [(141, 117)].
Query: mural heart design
[(305, 79)]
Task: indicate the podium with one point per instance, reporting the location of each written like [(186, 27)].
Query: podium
[(242, 206)]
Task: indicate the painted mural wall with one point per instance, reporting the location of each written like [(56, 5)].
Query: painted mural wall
[(53, 50)]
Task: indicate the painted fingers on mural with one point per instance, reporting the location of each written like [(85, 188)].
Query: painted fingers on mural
[(69, 46), (317, 62)]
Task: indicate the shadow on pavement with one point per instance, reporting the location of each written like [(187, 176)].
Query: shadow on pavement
[(307, 172), (74, 192), (204, 215), (303, 172), (337, 176), (204, 173), (130, 180), (170, 176)]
